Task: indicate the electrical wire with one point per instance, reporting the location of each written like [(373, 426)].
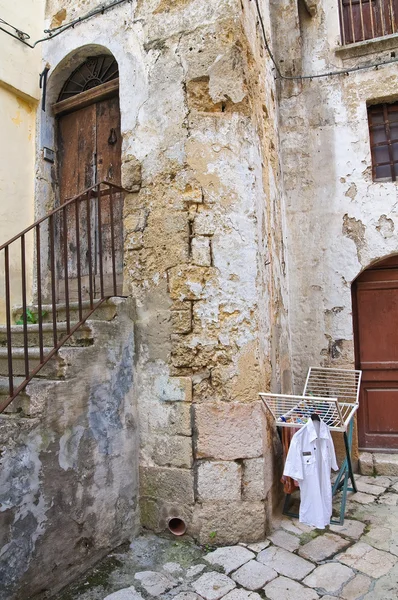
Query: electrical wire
[(52, 33), (22, 37), (280, 75)]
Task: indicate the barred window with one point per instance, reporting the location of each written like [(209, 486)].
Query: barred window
[(383, 129), (367, 19)]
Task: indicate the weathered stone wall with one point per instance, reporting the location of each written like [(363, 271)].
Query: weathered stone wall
[(69, 465), (339, 220), (204, 251)]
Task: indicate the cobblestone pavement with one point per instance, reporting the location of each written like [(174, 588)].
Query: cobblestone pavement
[(356, 561)]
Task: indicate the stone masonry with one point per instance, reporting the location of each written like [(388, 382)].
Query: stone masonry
[(203, 250)]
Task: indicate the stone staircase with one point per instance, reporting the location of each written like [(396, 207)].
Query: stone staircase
[(68, 450), (378, 463)]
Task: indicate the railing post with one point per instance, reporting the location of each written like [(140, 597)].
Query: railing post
[(112, 241), (24, 307), (52, 266), (8, 319), (101, 267), (39, 298)]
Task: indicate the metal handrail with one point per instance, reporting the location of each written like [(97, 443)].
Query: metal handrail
[(87, 239)]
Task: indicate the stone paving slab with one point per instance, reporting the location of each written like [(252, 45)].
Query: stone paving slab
[(367, 488), (155, 583), (361, 498), (323, 546), (351, 529), (242, 595), (380, 481), (286, 589), (229, 557), (257, 547), (367, 559), (285, 563), (385, 588), (329, 578), (213, 585), (187, 596), (254, 575), (125, 594), (390, 499), (356, 588), (285, 540)]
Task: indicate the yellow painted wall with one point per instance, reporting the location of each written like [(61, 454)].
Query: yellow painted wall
[(19, 100)]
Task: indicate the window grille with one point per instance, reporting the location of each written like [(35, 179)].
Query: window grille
[(367, 19), (383, 129)]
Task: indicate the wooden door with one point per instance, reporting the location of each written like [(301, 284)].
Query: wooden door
[(375, 303), (89, 151)]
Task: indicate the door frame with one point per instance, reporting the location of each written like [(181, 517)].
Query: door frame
[(390, 262)]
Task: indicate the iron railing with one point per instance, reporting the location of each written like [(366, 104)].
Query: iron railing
[(78, 262), (367, 19)]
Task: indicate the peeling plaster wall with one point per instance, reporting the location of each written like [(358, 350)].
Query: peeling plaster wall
[(69, 466), (204, 250), (339, 221)]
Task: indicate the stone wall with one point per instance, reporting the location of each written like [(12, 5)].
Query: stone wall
[(339, 220), (204, 250), (69, 463)]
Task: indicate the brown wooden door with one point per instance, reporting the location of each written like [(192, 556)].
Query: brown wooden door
[(375, 301), (89, 151)]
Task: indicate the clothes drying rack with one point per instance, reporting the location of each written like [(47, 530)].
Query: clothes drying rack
[(332, 394)]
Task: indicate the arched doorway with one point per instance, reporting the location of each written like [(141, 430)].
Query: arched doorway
[(89, 144), (375, 314)]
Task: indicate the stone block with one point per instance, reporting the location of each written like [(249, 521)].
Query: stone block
[(181, 321), (352, 529), (366, 463), (134, 241), (171, 485), (285, 563), (288, 590), (131, 174), (356, 588), (329, 578), (368, 560), (386, 464), (204, 223), (229, 558), (129, 593), (171, 418), (136, 220), (229, 523), (219, 481), (213, 585), (189, 282), (253, 575), (193, 194), (285, 540), (229, 431), (172, 451), (201, 251), (154, 583), (242, 595), (323, 547), (155, 514), (253, 479), (174, 389)]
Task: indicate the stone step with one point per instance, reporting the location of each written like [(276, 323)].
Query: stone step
[(82, 337), (378, 463), (54, 369), (106, 312)]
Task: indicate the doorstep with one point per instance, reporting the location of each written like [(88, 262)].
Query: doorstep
[(378, 463)]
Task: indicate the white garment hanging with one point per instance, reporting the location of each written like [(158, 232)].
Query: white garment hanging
[(311, 456)]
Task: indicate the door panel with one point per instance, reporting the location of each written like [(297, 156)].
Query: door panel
[(376, 320), (89, 142)]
